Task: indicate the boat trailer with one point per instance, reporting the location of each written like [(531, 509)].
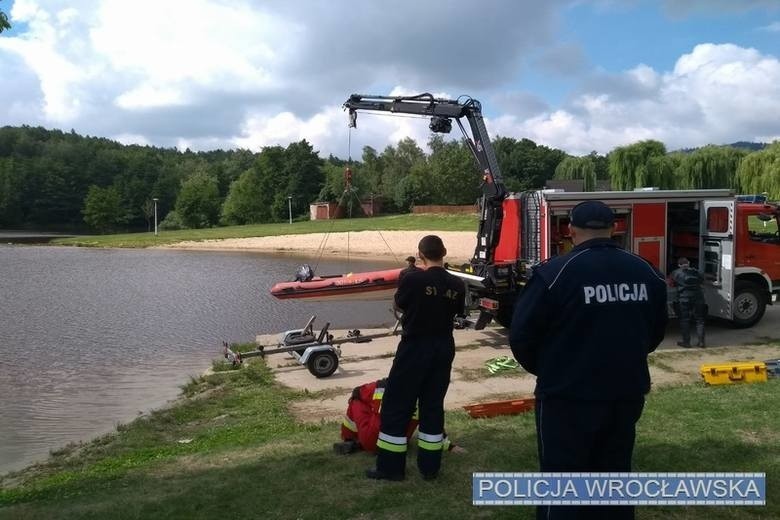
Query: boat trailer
[(319, 352)]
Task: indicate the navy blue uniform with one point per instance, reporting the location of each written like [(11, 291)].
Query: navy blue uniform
[(429, 299), (584, 325)]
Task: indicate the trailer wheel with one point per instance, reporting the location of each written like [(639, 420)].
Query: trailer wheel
[(323, 364), (749, 304)]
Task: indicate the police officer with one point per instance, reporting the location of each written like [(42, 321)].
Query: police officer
[(429, 299), (690, 302), (584, 325)]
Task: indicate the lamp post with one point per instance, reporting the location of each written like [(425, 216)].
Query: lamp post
[(155, 215), (289, 207)]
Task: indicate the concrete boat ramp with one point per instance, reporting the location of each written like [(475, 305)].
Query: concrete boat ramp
[(471, 382)]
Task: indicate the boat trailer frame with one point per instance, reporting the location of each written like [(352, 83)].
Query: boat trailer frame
[(319, 353)]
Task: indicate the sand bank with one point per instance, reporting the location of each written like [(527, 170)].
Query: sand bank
[(367, 244)]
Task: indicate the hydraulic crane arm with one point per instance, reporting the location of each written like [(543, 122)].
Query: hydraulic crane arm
[(442, 112)]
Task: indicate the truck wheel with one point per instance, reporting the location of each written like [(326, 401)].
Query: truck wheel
[(506, 308), (323, 364), (749, 304)]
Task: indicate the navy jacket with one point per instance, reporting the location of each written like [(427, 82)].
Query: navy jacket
[(585, 322), (429, 299)]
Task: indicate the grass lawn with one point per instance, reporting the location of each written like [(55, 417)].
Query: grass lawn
[(437, 222), (230, 449)]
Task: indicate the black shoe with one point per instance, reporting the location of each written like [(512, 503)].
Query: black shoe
[(683, 344), (429, 476), (375, 474), (345, 448)]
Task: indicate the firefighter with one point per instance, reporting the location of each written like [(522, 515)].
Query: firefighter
[(690, 302), (429, 299), (584, 325), (360, 427)]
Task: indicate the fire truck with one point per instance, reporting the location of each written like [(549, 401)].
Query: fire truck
[(732, 240)]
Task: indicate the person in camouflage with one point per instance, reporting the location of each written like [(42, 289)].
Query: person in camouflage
[(690, 302)]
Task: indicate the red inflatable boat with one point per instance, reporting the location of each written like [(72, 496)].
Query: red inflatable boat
[(374, 285)]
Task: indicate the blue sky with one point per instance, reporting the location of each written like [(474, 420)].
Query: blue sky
[(619, 38), (575, 74)]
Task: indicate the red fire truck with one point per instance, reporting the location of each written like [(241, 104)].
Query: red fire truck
[(732, 241)]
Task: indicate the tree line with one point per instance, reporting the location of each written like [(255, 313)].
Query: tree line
[(53, 179)]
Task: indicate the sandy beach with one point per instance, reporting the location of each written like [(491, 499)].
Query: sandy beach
[(366, 244)]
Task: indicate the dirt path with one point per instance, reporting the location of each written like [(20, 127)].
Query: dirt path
[(471, 382)]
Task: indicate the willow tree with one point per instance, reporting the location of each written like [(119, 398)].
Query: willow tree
[(659, 171), (628, 165), (759, 172), (4, 22), (710, 167), (578, 168)]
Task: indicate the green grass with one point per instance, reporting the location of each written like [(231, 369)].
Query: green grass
[(413, 222), (246, 457)]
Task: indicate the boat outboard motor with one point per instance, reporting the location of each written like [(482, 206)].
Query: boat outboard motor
[(304, 273)]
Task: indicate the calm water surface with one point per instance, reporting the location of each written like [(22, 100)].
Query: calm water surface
[(90, 338)]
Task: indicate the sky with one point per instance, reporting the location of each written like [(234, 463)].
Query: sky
[(577, 75)]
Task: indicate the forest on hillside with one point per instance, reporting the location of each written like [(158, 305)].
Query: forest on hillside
[(51, 179)]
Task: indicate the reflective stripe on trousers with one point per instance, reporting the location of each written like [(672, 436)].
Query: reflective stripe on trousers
[(391, 443), (428, 441)]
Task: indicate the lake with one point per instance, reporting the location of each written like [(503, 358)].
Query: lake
[(93, 337)]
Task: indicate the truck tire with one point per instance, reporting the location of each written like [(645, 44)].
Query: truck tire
[(323, 363), (749, 304)]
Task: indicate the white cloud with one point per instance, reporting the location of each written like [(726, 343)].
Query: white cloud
[(211, 71), (40, 50), (206, 74), (328, 132), (177, 44), (714, 94)]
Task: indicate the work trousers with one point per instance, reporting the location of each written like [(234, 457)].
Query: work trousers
[(692, 311), (586, 436), (420, 373)]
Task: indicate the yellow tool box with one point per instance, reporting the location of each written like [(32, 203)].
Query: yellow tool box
[(736, 372)]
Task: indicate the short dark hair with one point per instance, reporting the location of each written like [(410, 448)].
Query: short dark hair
[(432, 248), (411, 259)]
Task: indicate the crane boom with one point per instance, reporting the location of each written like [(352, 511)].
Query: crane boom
[(442, 112)]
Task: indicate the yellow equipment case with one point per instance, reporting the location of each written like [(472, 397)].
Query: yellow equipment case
[(737, 372)]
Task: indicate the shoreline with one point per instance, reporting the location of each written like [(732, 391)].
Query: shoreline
[(368, 245)]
